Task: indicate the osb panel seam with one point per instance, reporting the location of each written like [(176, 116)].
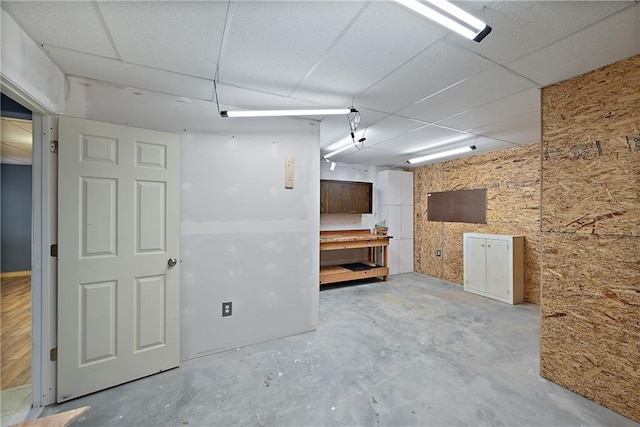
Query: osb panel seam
[(590, 251)]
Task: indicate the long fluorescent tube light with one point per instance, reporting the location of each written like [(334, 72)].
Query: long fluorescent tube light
[(441, 154), (339, 150), (276, 113), (480, 31)]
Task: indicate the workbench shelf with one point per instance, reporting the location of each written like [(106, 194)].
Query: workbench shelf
[(375, 266)]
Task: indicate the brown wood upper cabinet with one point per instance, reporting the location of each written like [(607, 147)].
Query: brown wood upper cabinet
[(345, 197)]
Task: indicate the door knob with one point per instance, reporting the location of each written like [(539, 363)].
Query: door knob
[(172, 262)]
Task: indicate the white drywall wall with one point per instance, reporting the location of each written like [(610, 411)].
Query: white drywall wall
[(245, 238), (26, 67)]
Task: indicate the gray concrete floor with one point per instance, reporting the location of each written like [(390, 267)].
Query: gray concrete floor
[(412, 351)]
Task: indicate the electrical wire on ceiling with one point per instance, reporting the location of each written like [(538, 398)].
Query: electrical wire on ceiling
[(354, 121), (216, 78), (215, 89)]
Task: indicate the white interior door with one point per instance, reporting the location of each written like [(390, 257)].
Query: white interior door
[(118, 227)]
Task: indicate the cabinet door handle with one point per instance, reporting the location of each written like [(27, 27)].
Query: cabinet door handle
[(488, 246), (482, 245)]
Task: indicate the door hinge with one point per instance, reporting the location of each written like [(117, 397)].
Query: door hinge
[(53, 146), (54, 251), (53, 354)]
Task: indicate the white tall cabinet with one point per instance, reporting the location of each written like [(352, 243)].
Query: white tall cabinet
[(494, 266), (395, 205)]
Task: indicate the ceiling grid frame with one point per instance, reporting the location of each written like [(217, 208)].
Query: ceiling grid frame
[(385, 95)]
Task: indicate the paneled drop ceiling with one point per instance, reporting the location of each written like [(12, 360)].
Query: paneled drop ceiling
[(15, 141), (418, 86)]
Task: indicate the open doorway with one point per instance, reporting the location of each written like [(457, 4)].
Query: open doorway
[(16, 144)]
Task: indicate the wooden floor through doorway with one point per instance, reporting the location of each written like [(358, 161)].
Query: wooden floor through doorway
[(16, 329)]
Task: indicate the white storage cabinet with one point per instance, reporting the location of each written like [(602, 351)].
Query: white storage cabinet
[(395, 205), (494, 266)]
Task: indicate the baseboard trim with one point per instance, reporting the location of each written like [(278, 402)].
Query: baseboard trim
[(10, 274)]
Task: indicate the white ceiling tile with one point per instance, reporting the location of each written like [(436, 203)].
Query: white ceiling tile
[(188, 43), (24, 124), (550, 65), (17, 132), (70, 24), (509, 129), (382, 39), (434, 69), (613, 39), (341, 100), (130, 75), (231, 96), (364, 157), (520, 28), (522, 136), (424, 136), (16, 150), (273, 44), (488, 86), (528, 100), (16, 141), (390, 127)]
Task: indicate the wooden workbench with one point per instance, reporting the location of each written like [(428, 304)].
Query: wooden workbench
[(374, 266)]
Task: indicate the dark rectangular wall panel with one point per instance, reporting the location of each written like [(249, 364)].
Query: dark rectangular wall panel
[(458, 206), (346, 197)]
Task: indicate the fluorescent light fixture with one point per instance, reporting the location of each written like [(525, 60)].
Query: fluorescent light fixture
[(455, 140), (277, 113), (475, 30), (333, 166), (339, 150), (441, 154)]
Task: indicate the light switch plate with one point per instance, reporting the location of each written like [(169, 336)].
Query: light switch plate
[(288, 172)]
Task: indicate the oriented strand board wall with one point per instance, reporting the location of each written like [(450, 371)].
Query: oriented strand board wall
[(512, 180), (590, 259), (427, 235)]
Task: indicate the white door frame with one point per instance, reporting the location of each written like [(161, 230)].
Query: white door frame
[(44, 217), (43, 265)]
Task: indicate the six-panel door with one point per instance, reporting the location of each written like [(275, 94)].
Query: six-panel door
[(118, 225)]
